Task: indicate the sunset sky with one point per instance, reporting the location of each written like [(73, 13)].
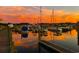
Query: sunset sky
[(31, 14)]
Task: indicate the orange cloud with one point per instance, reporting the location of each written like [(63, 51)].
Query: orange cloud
[(70, 18), (19, 14)]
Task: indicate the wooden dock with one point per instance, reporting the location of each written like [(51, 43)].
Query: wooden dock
[(53, 48), (6, 44)]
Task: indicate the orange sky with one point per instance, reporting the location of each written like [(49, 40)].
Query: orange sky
[(19, 14)]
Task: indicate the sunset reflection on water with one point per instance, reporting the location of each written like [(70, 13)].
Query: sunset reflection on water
[(66, 40)]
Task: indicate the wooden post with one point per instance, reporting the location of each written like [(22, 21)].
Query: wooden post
[(77, 28), (12, 47), (77, 36)]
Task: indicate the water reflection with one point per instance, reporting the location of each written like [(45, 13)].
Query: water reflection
[(29, 44), (67, 40)]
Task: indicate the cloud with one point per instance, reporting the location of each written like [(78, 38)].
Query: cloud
[(31, 14)]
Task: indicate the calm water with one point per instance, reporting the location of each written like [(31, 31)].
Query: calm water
[(68, 40), (29, 44)]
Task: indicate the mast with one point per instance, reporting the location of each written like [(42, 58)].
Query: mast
[(39, 31), (52, 15), (52, 21)]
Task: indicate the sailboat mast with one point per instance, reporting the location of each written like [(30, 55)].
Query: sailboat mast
[(52, 22)]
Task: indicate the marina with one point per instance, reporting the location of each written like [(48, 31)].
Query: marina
[(46, 29), (30, 42)]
